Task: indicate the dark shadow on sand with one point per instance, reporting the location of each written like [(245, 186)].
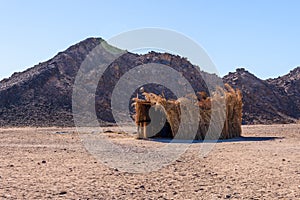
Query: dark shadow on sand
[(239, 139)]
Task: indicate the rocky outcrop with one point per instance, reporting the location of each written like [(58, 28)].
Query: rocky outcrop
[(289, 86), (267, 101)]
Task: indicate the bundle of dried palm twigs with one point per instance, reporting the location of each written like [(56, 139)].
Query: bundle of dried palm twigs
[(220, 115)]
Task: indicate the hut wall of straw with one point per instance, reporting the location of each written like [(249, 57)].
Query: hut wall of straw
[(207, 122)]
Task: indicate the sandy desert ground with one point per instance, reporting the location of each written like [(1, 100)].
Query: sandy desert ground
[(38, 163)]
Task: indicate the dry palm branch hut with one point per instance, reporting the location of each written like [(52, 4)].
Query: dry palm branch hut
[(167, 115)]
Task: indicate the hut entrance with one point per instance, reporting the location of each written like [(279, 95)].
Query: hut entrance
[(166, 131)]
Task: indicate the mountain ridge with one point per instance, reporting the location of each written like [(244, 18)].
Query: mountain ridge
[(264, 101), (41, 95)]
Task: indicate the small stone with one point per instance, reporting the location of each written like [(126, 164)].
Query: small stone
[(200, 189), (62, 132), (142, 187), (62, 193), (228, 196), (283, 159), (182, 174), (44, 162)]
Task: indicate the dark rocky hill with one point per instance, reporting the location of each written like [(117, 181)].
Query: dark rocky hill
[(42, 95), (267, 101), (290, 87)]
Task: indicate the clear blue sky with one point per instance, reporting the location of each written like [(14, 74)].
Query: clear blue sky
[(262, 36)]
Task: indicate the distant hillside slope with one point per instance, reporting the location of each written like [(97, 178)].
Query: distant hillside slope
[(42, 95), (268, 101), (290, 85)]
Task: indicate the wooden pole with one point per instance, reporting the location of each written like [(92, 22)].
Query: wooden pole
[(145, 129)]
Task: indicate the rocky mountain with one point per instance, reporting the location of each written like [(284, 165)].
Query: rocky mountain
[(268, 101), (290, 87), (42, 95)]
